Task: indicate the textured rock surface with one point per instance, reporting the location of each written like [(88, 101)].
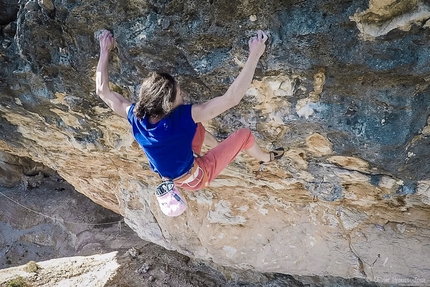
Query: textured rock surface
[(344, 84), (42, 217)]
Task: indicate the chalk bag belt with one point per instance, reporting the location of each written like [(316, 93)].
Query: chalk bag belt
[(192, 178)]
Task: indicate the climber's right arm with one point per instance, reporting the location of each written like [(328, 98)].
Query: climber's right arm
[(115, 101)]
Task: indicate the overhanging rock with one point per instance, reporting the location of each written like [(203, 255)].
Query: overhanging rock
[(351, 196)]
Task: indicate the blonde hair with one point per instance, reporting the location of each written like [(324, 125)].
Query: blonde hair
[(156, 96)]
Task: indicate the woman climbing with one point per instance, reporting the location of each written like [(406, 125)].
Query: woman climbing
[(170, 132)]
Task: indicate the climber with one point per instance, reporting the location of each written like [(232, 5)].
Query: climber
[(170, 132)]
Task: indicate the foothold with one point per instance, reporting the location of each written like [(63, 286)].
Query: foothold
[(253, 18)]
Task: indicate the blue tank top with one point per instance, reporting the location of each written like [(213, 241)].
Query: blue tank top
[(167, 144)]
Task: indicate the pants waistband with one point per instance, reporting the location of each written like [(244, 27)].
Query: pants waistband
[(193, 172)]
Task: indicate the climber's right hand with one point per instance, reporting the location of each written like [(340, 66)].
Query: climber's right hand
[(257, 44)]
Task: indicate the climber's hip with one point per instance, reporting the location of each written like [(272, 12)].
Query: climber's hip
[(194, 179)]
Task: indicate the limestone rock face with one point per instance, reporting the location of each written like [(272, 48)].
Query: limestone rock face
[(43, 217), (343, 84)]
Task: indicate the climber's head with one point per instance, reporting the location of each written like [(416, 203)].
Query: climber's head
[(159, 95)]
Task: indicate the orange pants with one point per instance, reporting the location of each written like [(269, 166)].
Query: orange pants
[(216, 159)]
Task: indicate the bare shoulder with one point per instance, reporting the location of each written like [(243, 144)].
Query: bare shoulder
[(127, 109)]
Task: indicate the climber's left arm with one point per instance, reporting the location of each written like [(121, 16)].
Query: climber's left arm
[(115, 101), (214, 107)]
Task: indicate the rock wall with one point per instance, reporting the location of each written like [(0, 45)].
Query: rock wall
[(76, 242), (42, 217), (343, 84)]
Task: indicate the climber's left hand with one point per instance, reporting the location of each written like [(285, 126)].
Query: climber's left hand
[(106, 41)]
